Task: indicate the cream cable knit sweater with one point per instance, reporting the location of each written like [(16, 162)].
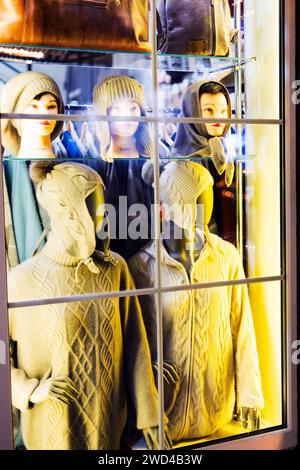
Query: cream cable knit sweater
[(208, 333), (100, 344)]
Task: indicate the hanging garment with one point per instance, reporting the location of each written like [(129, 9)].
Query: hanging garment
[(208, 334), (123, 178), (26, 219), (10, 241)]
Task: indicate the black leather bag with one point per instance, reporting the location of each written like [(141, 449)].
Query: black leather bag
[(198, 27)]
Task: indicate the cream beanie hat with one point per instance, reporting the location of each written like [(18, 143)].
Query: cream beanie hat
[(117, 88), (16, 94), (181, 183)]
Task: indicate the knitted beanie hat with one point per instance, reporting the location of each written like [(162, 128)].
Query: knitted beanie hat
[(117, 88), (16, 94), (181, 183)]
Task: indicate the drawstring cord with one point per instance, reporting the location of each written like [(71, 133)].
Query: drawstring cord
[(90, 264)]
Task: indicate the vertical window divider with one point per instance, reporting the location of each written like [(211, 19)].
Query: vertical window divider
[(158, 295)]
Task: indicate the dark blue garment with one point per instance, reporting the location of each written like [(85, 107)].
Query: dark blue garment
[(123, 177)]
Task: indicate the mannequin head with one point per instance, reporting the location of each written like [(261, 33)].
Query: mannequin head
[(29, 92), (45, 103), (122, 96), (62, 190), (214, 104), (183, 185), (208, 99), (126, 107)]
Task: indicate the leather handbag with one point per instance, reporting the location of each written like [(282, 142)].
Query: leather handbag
[(78, 24), (198, 27)]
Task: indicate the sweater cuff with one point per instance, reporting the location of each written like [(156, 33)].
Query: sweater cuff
[(22, 388)]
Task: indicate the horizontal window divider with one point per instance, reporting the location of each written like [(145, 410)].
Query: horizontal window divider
[(97, 117), (140, 292)]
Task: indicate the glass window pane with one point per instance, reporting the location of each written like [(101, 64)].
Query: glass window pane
[(82, 376), (226, 346), (239, 207)]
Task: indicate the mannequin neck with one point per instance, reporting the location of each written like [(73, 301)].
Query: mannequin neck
[(37, 147), (184, 249), (122, 147), (66, 250)]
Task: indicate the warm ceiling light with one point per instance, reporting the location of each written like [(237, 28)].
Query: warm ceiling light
[(19, 52)]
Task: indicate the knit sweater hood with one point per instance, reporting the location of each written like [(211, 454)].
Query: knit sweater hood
[(192, 138)]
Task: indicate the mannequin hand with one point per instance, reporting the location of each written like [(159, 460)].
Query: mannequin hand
[(250, 418), (171, 383), (152, 439), (58, 388), (222, 158)]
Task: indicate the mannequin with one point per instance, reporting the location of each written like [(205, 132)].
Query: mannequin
[(208, 333), (70, 379), (210, 99), (27, 92), (123, 147), (31, 93)]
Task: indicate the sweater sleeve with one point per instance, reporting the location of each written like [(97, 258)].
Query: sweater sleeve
[(21, 385), (248, 380), (21, 388), (140, 379)]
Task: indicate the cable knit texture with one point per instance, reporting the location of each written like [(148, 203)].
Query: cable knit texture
[(208, 333), (100, 344), (96, 343)]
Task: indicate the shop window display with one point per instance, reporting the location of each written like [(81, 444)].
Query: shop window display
[(218, 174)]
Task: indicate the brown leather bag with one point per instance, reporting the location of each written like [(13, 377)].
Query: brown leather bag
[(78, 24)]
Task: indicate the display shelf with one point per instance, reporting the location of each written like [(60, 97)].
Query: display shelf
[(117, 59), (234, 428)]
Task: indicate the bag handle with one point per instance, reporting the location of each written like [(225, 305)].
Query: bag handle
[(160, 31)]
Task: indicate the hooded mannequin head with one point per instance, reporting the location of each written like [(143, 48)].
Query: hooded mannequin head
[(120, 96), (29, 92), (186, 187), (209, 99), (63, 190)]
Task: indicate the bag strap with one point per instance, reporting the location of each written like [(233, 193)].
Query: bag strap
[(159, 27)]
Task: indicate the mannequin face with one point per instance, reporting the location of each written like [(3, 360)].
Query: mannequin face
[(214, 106), (46, 104), (205, 203), (125, 107)]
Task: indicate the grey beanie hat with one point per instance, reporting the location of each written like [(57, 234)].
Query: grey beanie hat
[(16, 94)]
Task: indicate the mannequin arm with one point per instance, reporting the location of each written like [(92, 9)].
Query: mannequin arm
[(250, 418), (171, 383), (151, 436), (57, 388)]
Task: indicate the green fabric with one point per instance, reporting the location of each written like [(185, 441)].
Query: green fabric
[(25, 214)]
